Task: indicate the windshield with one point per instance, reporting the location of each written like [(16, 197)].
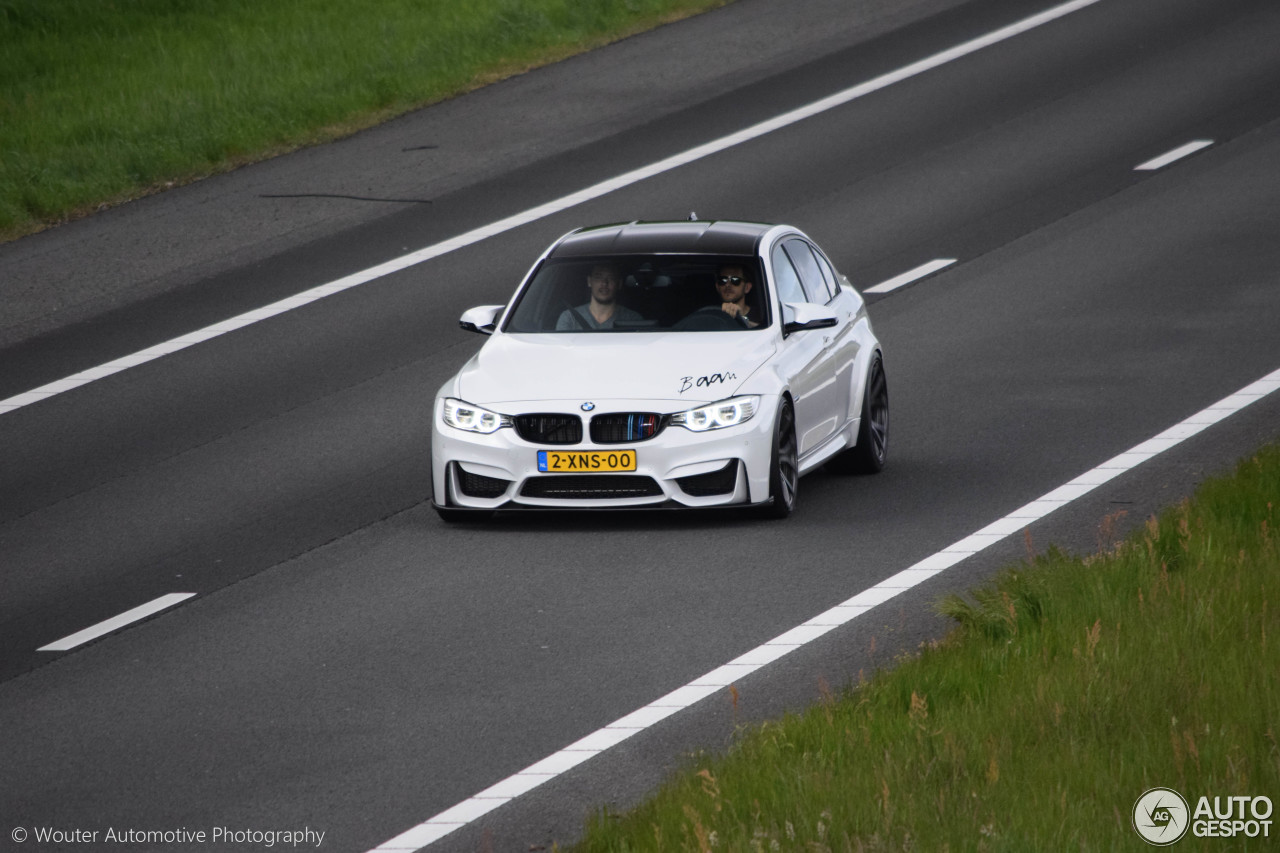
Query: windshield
[(643, 293)]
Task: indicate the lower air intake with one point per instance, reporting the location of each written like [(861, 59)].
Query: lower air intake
[(591, 487), (480, 486), (719, 482)]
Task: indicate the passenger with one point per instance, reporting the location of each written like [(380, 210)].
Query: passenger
[(603, 309), (733, 284)]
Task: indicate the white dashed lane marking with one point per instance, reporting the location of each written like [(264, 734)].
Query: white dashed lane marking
[(1173, 156), (115, 623), (911, 275)]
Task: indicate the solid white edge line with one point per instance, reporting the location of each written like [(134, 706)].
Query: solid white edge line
[(1173, 156), (911, 275), (700, 688), (116, 622), (533, 214)]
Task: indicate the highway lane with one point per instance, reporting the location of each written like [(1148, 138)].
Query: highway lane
[(929, 173), (390, 673)]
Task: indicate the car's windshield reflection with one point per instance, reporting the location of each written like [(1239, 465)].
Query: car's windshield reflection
[(643, 293)]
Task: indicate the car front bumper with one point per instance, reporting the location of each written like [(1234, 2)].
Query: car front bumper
[(677, 467)]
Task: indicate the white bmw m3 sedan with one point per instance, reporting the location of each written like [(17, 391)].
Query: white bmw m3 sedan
[(663, 364)]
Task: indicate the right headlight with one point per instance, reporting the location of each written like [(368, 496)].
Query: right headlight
[(725, 413), (462, 415)]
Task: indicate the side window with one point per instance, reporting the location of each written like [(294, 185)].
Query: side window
[(810, 275), (785, 276), (828, 273)]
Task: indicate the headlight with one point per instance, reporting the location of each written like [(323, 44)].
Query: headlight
[(726, 413), (460, 415)]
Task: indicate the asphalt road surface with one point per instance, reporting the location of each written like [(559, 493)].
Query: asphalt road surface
[(351, 665)]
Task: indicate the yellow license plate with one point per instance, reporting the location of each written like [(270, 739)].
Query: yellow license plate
[(585, 461)]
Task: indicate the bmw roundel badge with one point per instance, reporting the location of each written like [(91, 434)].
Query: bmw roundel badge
[(586, 407)]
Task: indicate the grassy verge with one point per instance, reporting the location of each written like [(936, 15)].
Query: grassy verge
[(1069, 687), (103, 101)]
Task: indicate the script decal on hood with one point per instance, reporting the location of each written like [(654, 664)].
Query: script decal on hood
[(687, 382)]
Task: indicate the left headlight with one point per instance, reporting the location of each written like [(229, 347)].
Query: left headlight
[(726, 413), (462, 415)]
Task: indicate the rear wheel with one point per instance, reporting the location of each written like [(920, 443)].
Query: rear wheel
[(869, 454), (784, 472)]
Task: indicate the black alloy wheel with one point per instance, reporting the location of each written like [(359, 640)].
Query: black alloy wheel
[(784, 471), (869, 454)]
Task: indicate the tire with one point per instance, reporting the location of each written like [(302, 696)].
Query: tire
[(784, 470), (869, 454)]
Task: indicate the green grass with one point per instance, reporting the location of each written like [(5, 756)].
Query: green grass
[(1069, 687), (102, 101)]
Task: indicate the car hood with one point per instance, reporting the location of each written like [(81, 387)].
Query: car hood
[(685, 367)]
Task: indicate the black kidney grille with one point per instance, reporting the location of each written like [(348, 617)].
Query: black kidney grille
[(549, 429), (590, 486), (624, 427)]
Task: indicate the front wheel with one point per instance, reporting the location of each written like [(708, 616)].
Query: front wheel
[(784, 470), (869, 454)]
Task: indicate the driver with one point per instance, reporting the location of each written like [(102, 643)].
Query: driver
[(733, 284), (604, 284)]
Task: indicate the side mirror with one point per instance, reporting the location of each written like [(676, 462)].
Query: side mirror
[(483, 319), (800, 316)]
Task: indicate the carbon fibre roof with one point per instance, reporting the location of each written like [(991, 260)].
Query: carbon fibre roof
[(639, 238)]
